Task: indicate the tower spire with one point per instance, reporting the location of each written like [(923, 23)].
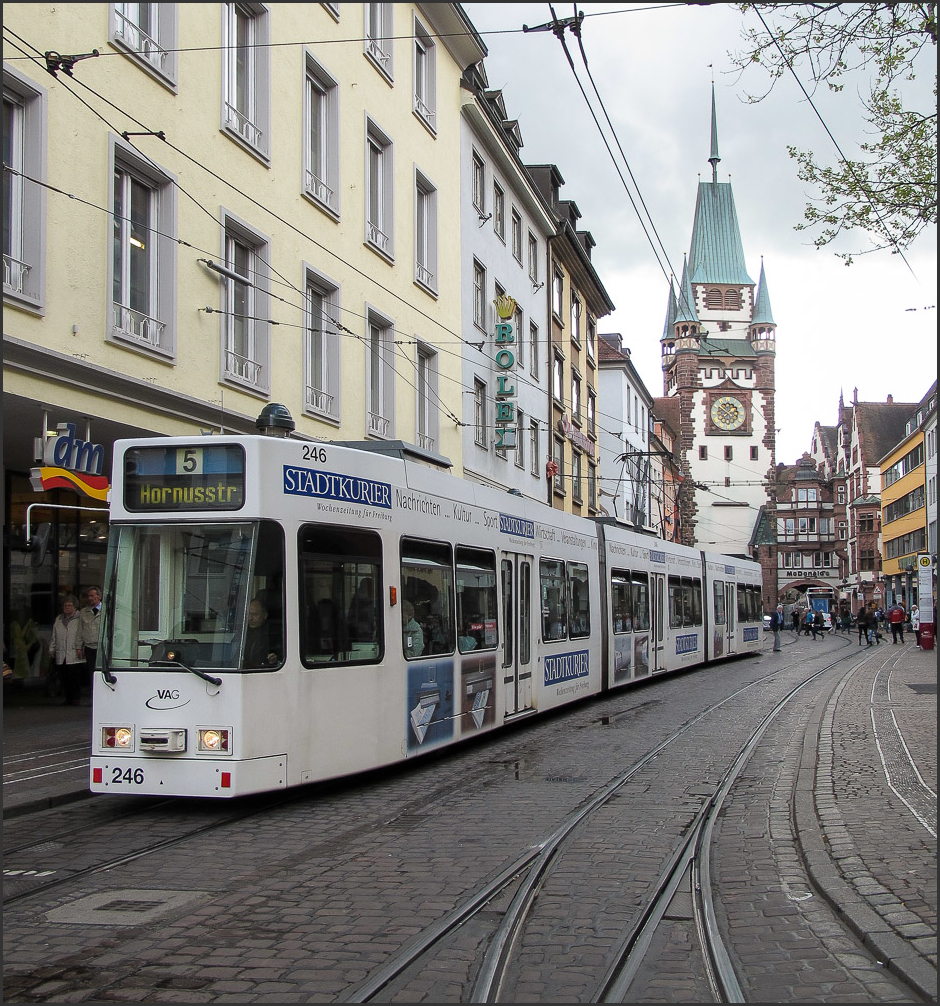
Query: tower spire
[(714, 158)]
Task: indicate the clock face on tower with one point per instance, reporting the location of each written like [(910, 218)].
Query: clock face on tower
[(727, 413)]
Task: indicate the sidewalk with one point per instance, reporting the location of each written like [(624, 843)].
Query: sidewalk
[(45, 749)]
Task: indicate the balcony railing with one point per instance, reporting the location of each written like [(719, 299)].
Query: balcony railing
[(378, 425), (318, 188), (243, 125), (425, 442), (139, 327), (424, 275), (375, 50), (137, 39), (14, 274), (377, 236), (319, 401), (242, 367)]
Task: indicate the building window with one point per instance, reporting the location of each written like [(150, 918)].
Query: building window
[(147, 33), (703, 453), (558, 378), (518, 330), (479, 412), (558, 456), (24, 203), (379, 182), (592, 412), (321, 130), (246, 295), (575, 397), (322, 350), (729, 453), (380, 376), (732, 300), (143, 259), (866, 523), (517, 237), (427, 414), (575, 319), (840, 495), (558, 292), (591, 338), (425, 233), (425, 76), (534, 449), (499, 211), (246, 100), (754, 454), (534, 350), (533, 258), (519, 439), (378, 36), (478, 180), (592, 486), (576, 476), (479, 295)]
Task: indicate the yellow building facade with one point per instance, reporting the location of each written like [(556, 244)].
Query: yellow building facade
[(215, 207), (903, 515)]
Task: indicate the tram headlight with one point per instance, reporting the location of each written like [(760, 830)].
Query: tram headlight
[(117, 737), (215, 739)]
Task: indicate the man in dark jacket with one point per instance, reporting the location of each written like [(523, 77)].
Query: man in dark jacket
[(776, 624)]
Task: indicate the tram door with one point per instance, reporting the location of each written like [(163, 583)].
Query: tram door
[(657, 622), (516, 578), (731, 615)]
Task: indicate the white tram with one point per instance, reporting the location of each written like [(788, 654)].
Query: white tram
[(280, 611)]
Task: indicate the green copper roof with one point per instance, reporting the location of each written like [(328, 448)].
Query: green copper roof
[(669, 327), (762, 313), (726, 347), (717, 255), (685, 311)]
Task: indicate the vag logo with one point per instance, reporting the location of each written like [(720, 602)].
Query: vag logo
[(166, 698)]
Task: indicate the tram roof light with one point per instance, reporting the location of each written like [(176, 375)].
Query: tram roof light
[(275, 421)]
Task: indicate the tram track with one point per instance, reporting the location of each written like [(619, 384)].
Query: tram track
[(530, 870)]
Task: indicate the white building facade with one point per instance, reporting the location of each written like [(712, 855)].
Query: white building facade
[(505, 226)]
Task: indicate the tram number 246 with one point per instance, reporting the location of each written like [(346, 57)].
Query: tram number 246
[(134, 777)]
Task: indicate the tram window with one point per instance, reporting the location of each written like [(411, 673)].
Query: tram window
[(525, 613), (641, 602), (508, 605), (742, 603), (579, 601), (675, 602), (264, 636), (621, 601), (719, 586), (340, 596), (554, 613), (427, 583), (476, 600), (688, 604), (696, 602)]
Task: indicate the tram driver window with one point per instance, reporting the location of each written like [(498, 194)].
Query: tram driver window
[(427, 584), (554, 608), (340, 592)]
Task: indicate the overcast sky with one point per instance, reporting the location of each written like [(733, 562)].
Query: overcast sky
[(870, 326)]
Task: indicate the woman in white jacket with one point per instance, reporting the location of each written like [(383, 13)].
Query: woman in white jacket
[(915, 623), (67, 649)]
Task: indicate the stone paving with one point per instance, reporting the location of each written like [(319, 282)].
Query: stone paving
[(300, 905)]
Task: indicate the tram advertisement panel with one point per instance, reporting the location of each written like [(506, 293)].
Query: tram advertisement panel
[(181, 478)]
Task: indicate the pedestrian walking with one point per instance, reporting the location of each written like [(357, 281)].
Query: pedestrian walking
[(776, 624), (862, 623), (915, 623), (896, 621), (67, 651), (91, 623), (819, 624), (795, 619), (808, 622)]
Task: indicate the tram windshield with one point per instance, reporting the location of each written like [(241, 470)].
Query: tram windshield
[(195, 595)]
